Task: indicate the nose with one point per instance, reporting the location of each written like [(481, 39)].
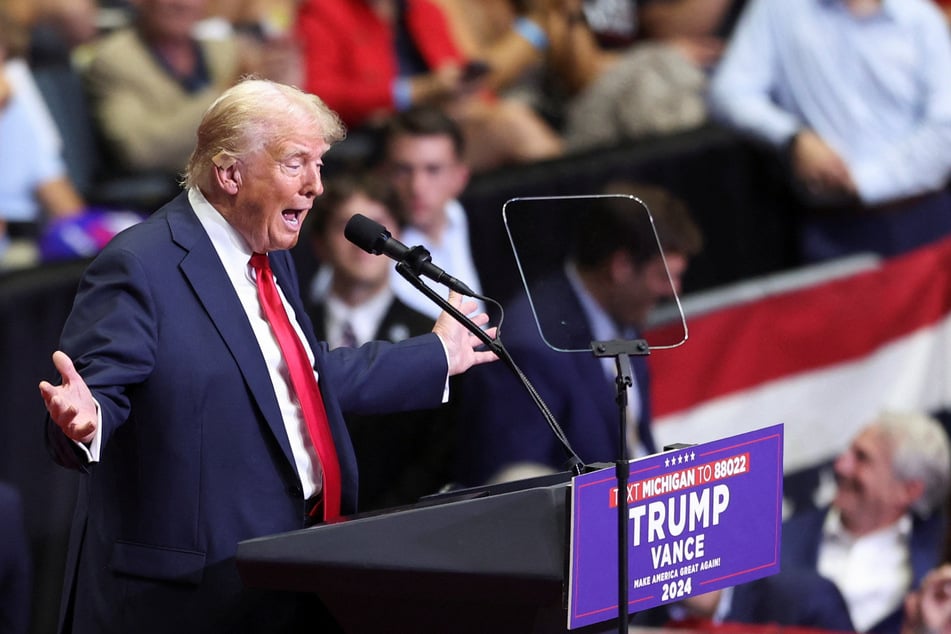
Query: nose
[(417, 180), (311, 183), (843, 463)]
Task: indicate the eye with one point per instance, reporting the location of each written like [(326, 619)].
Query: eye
[(293, 166)]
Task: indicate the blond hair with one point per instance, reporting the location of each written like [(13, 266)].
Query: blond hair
[(252, 114)]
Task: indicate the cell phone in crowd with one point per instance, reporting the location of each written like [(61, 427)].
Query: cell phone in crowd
[(474, 69)]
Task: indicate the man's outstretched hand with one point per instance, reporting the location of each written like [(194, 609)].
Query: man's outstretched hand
[(70, 404)]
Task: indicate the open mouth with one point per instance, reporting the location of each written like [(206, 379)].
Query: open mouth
[(292, 217)]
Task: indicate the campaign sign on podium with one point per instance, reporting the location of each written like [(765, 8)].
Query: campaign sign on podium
[(700, 518)]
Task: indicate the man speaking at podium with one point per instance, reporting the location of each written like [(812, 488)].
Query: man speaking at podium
[(194, 396)]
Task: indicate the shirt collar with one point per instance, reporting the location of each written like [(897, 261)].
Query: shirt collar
[(364, 320), (233, 250), (833, 528), (603, 327)]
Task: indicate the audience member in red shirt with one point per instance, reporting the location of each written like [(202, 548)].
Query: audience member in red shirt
[(369, 58)]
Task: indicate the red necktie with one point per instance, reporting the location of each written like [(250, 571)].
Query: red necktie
[(303, 382)]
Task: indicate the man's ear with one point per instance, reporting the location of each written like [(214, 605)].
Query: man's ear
[(461, 173), (227, 174), (913, 490)]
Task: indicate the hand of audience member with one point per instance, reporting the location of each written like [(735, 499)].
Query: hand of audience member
[(461, 344), (280, 60), (70, 404), (819, 167), (437, 87), (928, 609), (702, 51)]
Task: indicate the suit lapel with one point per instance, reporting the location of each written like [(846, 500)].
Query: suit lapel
[(211, 284)]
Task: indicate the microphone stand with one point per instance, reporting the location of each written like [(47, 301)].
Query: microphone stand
[(622, 350), (408, 269)]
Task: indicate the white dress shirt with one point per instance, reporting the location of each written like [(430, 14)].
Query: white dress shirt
[(873, 572), (235, 255), (453, 254), (363, 319)]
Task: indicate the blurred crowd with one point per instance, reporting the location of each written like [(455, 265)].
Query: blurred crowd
[(99, 103), (112, 91)]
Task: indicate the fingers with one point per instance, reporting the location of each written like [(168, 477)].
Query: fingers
[(64, 365), (70, 405), (480, 320), (67, 417), (80, 431), (47, 391)]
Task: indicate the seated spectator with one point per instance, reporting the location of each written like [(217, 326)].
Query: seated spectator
[(150, 83), (863, 562), (405, 456), (64, 24), (371, 58), (885, 528), (613, 278), (266, 17), (856, 96), (423, 158), (610, 70), (264, 30), (34, 185)]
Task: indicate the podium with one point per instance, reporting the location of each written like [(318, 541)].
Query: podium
[(492, 559)]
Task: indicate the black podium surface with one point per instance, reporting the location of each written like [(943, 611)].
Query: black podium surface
[(482, 560)]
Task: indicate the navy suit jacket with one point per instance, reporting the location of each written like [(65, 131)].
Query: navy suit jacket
[(195, 457), (402, 456), (499, 423), (802, 535)]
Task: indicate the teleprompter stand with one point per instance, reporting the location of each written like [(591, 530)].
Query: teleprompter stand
[(621, 350)]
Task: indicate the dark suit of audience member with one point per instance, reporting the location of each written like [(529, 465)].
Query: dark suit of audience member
[(403, 456), (802, 538), (16, 570), (796, 598), (613, 278), (503, 427)]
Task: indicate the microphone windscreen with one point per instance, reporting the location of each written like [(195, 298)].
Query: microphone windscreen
[(367, 234)]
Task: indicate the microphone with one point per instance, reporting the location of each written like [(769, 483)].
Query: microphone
[(373, 238)]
